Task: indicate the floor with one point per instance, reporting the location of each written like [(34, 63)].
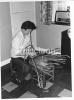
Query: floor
[(60, 87)]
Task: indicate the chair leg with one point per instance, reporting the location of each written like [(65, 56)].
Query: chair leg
[(53, 75), (11, 70)]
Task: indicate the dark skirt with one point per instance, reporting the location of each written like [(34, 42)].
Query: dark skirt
[(20, 67)]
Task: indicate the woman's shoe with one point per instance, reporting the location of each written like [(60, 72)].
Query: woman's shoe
[(28, 77)]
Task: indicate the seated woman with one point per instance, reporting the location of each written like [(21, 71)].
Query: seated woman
[(20, 44)]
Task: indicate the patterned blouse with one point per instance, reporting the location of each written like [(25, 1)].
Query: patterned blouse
[(21, 46)]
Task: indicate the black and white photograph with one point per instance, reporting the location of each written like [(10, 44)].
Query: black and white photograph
[(35, 49)]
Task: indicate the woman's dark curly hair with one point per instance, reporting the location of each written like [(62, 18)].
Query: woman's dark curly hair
[(28, 25)]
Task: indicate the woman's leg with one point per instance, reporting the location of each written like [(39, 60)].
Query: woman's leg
[(21, 67)]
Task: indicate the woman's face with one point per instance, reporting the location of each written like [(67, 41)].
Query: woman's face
[(26, 32)]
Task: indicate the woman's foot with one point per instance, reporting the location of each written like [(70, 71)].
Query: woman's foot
[(28, 77)]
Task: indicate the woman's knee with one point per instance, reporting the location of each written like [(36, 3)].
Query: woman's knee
[(26, 67)]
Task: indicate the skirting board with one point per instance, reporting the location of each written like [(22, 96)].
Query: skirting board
[(5, 62)]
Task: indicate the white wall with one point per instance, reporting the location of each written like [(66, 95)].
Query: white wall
[(5, 30), (20, 12), (48, 36)]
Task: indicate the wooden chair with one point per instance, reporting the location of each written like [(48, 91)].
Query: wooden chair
[(41, 69)]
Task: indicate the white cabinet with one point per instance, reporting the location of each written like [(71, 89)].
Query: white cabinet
[(21, 6), (20, 12)]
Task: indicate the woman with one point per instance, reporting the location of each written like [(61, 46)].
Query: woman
[(20, 45)]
